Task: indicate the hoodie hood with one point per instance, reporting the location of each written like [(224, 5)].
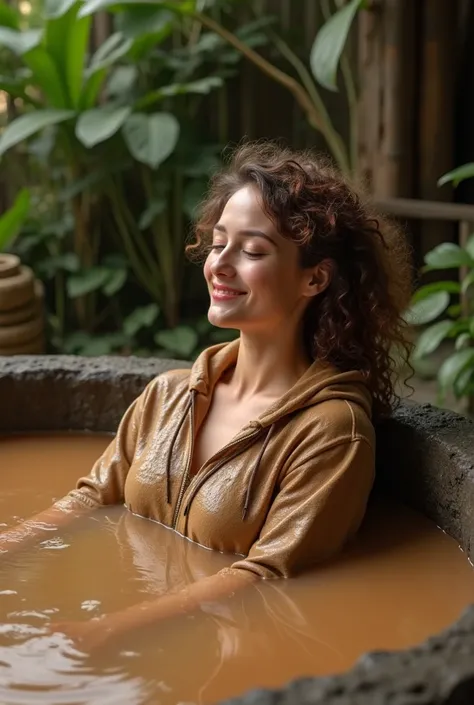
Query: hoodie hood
[(321, 382)]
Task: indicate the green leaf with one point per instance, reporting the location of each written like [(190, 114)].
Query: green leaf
[(19, 42), (82, 343), (91, 89), (467, 281), (46, 75), (9, 17), (90, 7), (455, 310), (463, 384), (466, 171), (87, 281), (471, 327), (67, 40), (155, 207), (329, 44), (424, 291), (141, 317), (50, 266), (447, 256), (151, 138), (453, 366), (470, 246), (115, 282), (98, 124), (146, 26), (12, 220), (136, 21), (462, 340), (27, 125), (57, 8), (110, 51), (431, 338), (179, 6), (180, 340), (202, 86), (121, 81), (426, 310)]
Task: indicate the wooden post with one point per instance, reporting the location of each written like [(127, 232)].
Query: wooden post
[(436, 114), (465, 230), (387, 69)]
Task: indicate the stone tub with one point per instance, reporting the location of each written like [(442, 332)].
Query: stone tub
[(425, 458)]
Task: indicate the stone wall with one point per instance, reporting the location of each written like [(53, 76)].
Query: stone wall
[(425, 458)]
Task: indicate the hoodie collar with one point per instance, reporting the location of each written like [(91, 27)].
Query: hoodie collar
[(320, 382)]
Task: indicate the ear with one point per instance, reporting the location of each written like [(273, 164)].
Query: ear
[(319, 278)]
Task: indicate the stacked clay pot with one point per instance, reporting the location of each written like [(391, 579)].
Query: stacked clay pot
[(21, 309)]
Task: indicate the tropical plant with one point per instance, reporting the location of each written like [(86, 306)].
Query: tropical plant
[(117, 164), (445, 310)]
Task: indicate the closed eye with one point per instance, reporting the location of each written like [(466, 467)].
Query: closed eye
[(252, 255)]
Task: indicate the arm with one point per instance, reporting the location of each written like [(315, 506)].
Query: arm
[(38, 527), (94, 633), (104, 485), (319, 506)]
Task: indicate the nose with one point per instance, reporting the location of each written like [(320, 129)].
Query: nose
[(221, 263)]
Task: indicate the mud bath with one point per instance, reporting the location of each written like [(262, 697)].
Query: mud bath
[(401, 581)]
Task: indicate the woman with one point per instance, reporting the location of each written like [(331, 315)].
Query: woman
[(265, 449)]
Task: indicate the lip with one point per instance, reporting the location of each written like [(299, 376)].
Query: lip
[(225, 293)]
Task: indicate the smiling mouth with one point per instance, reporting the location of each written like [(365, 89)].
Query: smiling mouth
[(222, 293)]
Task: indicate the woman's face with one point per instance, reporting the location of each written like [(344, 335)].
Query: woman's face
[(253, 273)]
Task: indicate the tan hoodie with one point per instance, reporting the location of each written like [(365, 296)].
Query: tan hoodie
[(287, 492)]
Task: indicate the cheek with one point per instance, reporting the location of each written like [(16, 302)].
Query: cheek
[(207, 268)]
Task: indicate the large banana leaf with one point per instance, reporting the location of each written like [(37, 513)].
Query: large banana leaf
[(46, 76), (66, 40)]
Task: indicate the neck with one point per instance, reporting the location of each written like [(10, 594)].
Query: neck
[(268, 365)]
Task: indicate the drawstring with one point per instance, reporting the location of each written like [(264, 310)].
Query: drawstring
[(254, 471), (189, 406)]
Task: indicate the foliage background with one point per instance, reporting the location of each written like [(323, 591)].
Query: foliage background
[(115, 133)]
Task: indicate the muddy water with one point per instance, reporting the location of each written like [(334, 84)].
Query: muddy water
[(400, 582)]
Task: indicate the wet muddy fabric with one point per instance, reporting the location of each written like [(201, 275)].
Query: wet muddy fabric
[(287, 492)]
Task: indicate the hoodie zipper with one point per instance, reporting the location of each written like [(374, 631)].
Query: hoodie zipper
[(185, 480), (201, 479)]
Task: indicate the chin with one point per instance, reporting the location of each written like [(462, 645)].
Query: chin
[(219, 319)]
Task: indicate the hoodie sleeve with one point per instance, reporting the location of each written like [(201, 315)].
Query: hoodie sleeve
[(105, 482), (320, 504)]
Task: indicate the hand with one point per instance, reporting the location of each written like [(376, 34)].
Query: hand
[(86, 636)]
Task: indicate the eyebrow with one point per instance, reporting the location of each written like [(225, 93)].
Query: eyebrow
[(248, 231)]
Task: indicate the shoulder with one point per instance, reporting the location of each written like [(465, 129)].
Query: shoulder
[(331, 423), (169, 383), (344, 419)]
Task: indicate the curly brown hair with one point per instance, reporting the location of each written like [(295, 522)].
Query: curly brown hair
[(356, 323)]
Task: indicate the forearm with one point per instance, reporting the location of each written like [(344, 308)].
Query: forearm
[(216, 587), (39, 526)]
